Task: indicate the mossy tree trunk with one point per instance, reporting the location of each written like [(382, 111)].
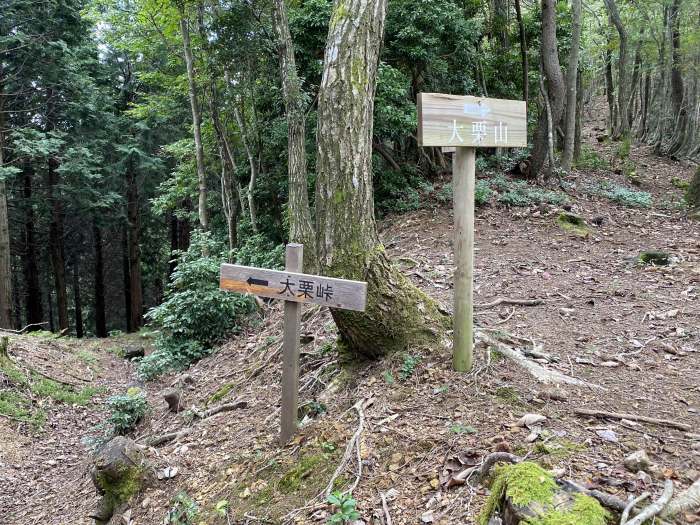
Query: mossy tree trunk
[(301, 229), (693, 195), (398, 313)]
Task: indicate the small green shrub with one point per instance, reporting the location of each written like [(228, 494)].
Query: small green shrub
[(408, 366), (631, 198), (195, 314), (520, 193), (127, 410), (482, 193), (624, 148), (258, 250), (345, 508), (184, 511), (589, 159)]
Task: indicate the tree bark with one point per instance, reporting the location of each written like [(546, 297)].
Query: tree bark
[(678, 104), (623, 128), (6, 320), (32, 287), (56, 243), (196, 120), (300, 227), (126, 275), (571, 80), (77, 303), (99, 303), (523, 53), (134, 248), (555, 86), (398, 314), (252, 162)]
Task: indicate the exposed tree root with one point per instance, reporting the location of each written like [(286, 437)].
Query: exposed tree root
[(688, 500), (512, 302), (655, 508), (633, 417), (539, 372)]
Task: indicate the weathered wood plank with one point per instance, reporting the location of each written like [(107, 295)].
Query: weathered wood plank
[(290, 356), (293, 286), (452, 120)]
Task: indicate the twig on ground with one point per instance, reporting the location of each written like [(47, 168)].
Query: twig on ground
[(632, 417), (496, 457), (655, 508), (510, 315), (156, 441), (385, 507), (353, 444), (511, 302), (22, 330), (633, 503)]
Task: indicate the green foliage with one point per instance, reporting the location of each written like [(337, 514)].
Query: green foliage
[(626, 197), (256, 249), (520, 193), (195, 313), (482, 193), (459, 428), (692, 195), (184, 510), (127, 410), (408, 366), (589, 159), (655, 258), (388, 377), (345, 508), (18, 407)]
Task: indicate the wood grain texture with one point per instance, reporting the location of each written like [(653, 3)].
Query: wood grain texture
[(463, 180), (326, 291), (453, 120), (290, 353)]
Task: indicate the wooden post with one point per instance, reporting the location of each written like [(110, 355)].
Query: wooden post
[(463, 181), (290, 359)]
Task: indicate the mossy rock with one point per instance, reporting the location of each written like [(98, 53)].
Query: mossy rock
[(119, 473), (655, 258), (526, 494), (573, 223)]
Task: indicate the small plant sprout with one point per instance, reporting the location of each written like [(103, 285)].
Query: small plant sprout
[(344, 505)]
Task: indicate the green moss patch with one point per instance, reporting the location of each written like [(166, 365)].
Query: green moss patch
[(221, 393), (573, 224), (508, 395), (270, 488), (655, 258), (528, 485)]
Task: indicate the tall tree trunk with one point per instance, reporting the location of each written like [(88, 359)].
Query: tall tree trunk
[(609, 88), (678, 103), (623, 129), (555, 86), (253, 163), (126, 274), (300, 227), (398, 314), (6, 320), (99, 304), (77, 303), (579, 115), (35, 311), (134, 248), (523, 53), (196, 120), (571, 80), (56, 243)]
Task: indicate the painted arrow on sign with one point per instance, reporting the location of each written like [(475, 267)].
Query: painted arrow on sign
[(292, 286)]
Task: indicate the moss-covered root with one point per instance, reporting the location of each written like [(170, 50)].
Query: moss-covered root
[(527, 494), (118, 474), (398, 314)]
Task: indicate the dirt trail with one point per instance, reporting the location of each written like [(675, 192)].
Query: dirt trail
[(632, 329)]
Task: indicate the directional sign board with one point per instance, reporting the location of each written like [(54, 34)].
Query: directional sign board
[(464, 121), (297, 287)]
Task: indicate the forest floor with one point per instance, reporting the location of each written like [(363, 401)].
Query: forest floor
[(632, 329)]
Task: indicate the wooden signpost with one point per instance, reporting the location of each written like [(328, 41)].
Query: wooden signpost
[(294, 288), (466, 123)]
